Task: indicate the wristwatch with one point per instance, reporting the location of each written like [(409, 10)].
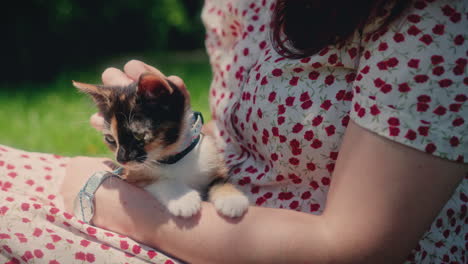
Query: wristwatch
[(84, 201)]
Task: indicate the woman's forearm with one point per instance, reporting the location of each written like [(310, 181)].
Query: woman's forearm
[(262, 235)]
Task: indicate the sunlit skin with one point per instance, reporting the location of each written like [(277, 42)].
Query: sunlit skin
[(376, 211)]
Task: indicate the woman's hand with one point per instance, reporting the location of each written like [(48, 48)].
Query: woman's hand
[(78, 171), (132, 71)]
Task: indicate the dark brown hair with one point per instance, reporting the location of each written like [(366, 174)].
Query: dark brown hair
[(303, 27)]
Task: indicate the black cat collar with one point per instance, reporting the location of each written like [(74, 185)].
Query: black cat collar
[(191, 140)]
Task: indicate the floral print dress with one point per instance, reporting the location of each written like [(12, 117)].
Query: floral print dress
[(280, 124), (281, 121)]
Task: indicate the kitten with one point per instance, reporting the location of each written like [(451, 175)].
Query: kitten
[(150, 126)]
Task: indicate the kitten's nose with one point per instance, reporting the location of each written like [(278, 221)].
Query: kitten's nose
[(122, 156)]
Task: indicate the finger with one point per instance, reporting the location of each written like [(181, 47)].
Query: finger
[(113, 76), (135, 68), (97, 121), (180, 84)]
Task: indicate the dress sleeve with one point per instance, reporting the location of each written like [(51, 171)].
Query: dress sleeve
[(411, 84)]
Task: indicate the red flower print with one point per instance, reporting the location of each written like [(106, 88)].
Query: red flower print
[(394, 131), (326, 104), (454, 141), (352, 52), (314, 207), (309, 135), (329, 79), (80, 255), (84, 242), (124, 245), (378, 82), (458, 40), (305, 60), (361, 112), (461, 98), (297, 128), (294, 81), (413, 63), (438, 29), (314, 75), (277, 72), (316, 144), (386, 88), (398, 37), (436, 59), (404, 87), (393, 121), (411, 135), (438, 71), (421, 78), (455, 18), (392, 62), (271, 97), (90, 257), (365, 70), (459, 70), (330, 130), (423, 130), (332, 59), (281, 109), (383, 46), (316, 65), (293, 205), (317, 120), (440, 110), (445, 83), (413, 18), (325, 181), (413, 30), (294, 161), (264, 80), (448, 10), (306, 105), (340, 95), (274, 157), (285, 195), (306, 195), (458, 122), (382, 65), (290, 100), (430, 148), (374, 110), (426, 39), (454, 107), (424, 98), (311, 166)]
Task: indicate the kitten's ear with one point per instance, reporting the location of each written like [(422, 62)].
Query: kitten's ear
[(99, 94), (153, 86)]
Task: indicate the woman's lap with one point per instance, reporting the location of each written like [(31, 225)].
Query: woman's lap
[(34, 227)]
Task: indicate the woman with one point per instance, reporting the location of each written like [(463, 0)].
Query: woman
[(387, 93)]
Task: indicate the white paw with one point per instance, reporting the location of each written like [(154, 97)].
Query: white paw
[(232, 205), (185, 206)]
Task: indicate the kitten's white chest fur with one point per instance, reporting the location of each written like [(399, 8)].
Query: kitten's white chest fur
[(179, 185)]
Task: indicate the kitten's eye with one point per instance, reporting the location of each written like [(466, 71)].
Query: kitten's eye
[(109, 139), (139, 137)]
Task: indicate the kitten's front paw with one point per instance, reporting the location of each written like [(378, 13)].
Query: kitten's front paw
[(186, 206), (233, 205)]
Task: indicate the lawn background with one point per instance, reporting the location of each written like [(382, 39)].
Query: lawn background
[(53, 117)]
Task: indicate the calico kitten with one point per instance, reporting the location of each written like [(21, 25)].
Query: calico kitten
[(148, 124)]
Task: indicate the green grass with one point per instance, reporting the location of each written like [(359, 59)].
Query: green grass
[(53, 117)]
